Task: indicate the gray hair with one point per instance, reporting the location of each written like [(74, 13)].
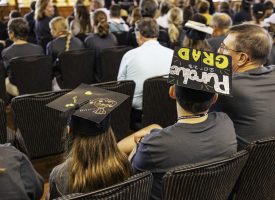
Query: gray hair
[(221, 20)]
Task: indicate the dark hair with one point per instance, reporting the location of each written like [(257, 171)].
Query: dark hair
[(83, 17), (246, 4), (15, 14), (148, 27), (203, 6), (115, 10), (165, 6), (100, 21), (148, 8), (188, 14), (194, 101), (32, 6), (19, 27), (258, 11), (269, 5), (253, 40)]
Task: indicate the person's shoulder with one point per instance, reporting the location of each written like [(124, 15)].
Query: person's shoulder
[(90, 37), (158, 135), (7, 50), (10, 151)]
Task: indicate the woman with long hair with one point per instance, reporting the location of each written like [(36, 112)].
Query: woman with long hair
[(196, 38), (175, 31), (64, 41), (100, 39), (93, 160), (44, 11), (81, 25)]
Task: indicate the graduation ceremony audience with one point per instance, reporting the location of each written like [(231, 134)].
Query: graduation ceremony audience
[(209, 125)]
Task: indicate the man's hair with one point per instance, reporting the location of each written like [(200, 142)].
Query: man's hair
[(193, 101), (253, 40), (14, 14), (19, 27), (269, 5), (148, 8), (221, 20), (203, 6), (148, 27), (115, 10), (165, 6)]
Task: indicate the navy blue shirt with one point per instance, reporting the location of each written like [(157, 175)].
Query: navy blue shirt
[(182, 143)]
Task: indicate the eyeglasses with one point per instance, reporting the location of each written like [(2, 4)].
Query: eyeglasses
[(223, 47)]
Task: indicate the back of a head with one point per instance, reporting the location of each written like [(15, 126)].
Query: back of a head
[(83, 17), (100, 21), (188, 14), (147, 27), (224, 7), (196, 39), (148, 8), (193, 101), (14, 14), (115, 10), (221, 21), (59, 25), (96, 162), (259, 11), (203, 6), (246, 4), (19, 27), (32, 5), (175, 20), (253, 40), (165, 6)]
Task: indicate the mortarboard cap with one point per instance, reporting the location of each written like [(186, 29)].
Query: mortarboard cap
[(88, 108), (201, 70), (199, 27)]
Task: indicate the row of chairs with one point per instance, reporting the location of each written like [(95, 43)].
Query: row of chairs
[(33, 74), (41, 127), (249, 174)]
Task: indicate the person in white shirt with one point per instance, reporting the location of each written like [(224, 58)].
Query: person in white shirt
[(148, 60)]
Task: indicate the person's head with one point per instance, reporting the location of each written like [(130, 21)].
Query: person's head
[(165, 6), (194, 38), (224, 7), (192, 101), (258, 12), (43, 8), (246, 5), (14, 14), (59, 26), (96, 4), (32, 5), (18, 29), (203, 7), (146, 29), (148, 8), (188, 14), (269, 8), (175, 20), (100, 23), (115, 11), (135, 16), (95, 160), (82, 15), (220, 23), (249, 46)]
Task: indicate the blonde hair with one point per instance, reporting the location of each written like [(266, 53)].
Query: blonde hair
[(95, 162), (40, 7), (175, 20), (60, 25)]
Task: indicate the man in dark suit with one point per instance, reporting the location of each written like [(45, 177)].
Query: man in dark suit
[(220, 23)]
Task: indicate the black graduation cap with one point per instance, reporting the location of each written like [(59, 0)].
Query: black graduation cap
[(88, 108), (201, 70)]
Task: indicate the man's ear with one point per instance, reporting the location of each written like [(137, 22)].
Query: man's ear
[(215, 98), (243, 58), (172, 92)]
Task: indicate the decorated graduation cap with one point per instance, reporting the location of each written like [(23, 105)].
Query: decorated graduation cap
[(199, 26), (88, 108), (201, 70)]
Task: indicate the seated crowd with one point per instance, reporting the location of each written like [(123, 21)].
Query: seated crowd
[(207, 125)]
